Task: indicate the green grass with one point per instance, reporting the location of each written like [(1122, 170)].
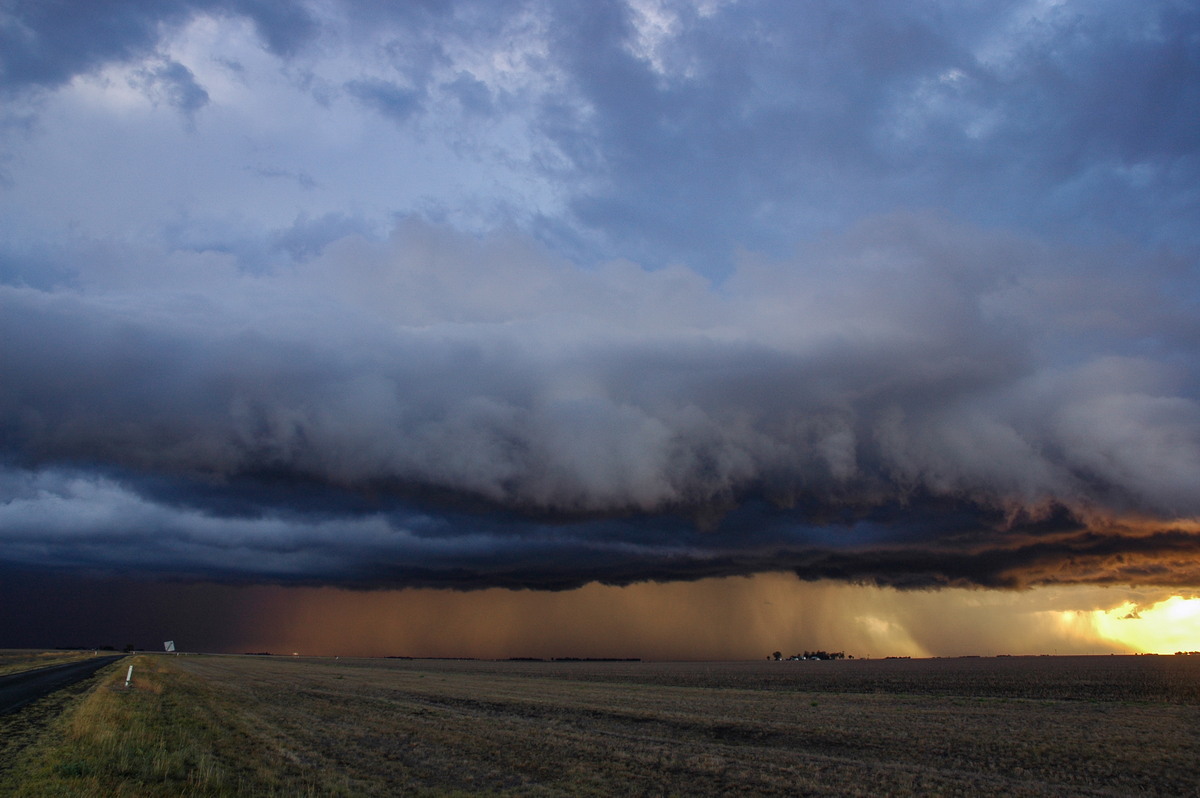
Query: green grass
[(167, 734)]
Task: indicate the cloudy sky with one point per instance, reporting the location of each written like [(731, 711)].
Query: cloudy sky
[(333, 309)]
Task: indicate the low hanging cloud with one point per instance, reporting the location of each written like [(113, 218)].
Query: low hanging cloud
[(913, 403)]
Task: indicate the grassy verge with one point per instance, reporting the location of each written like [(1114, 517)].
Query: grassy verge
[(16, 661), (167, 734)]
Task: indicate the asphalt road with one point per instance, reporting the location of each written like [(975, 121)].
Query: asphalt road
[(18, 689)]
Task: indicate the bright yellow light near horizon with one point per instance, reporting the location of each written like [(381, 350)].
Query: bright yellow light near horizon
[(1164, 628)]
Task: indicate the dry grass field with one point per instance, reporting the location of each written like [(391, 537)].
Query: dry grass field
[(15, 660), (213, 725)]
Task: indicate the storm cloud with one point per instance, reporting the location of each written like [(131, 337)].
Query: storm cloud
[(565, 293), (440, 410)]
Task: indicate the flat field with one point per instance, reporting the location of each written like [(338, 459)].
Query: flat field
[(14, 660), (280, 725)]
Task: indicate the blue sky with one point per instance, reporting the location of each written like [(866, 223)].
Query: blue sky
[(534, 294)]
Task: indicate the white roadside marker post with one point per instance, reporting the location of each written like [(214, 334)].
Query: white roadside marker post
[(128, 677)]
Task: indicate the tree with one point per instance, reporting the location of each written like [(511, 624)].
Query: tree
[(778, 655)]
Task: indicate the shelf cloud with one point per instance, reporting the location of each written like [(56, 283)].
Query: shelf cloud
[(439, 410)]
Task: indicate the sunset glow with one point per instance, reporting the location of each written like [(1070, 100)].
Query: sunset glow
[(723, 619), (1162, 628)]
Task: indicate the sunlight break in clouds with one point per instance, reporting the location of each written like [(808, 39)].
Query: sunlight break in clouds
[(1162, 628)]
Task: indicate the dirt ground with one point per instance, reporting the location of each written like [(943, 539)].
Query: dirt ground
[(1010, 726)]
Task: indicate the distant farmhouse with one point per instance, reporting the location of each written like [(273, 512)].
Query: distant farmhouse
[(822, 655)]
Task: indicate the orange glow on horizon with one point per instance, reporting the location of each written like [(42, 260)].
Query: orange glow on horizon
[(732, 618), (1162, 628)]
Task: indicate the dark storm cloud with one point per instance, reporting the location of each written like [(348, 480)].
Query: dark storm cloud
[(306, 534), (444, 411), (1165, 557), (761, 112), (75, 611)]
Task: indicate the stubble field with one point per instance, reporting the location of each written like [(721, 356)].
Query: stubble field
[(16, 660), (278, 725)]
